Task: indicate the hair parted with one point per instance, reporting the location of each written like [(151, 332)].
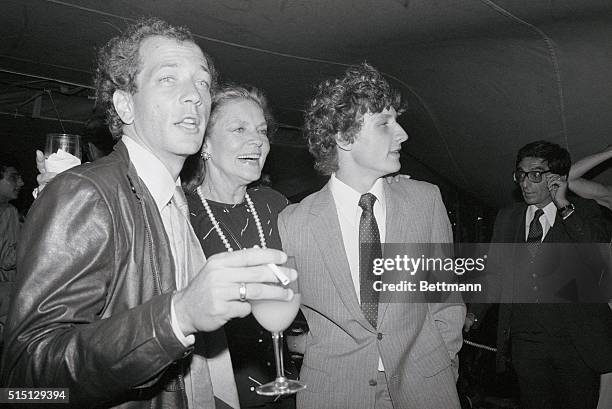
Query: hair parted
[(119, 62), (194, 169), (557, 157), (229, 93), (338, 107)]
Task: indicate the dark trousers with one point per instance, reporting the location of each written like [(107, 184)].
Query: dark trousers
[(551, 374)]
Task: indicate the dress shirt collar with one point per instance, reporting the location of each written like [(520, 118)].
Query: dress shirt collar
[(152, 171), (550, 212), (347, 198)]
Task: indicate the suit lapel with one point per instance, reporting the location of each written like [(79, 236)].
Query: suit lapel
[(396, 227), (326, 228), (519, 231), (555, 232)]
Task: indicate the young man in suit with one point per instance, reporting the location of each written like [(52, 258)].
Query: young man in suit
[(362, 352), (559, 348)]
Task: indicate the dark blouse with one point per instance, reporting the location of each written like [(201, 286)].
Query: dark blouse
[(250, 345)]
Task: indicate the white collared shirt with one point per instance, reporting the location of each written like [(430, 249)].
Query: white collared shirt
[(160, 184), (550, 214), (158, 180), (152, 171), (349, 215)]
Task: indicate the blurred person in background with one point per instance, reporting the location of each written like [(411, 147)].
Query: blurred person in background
[(10, 186), (557, 348)]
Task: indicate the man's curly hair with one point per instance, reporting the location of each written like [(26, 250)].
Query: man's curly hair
[(119, 63), (338, 108)]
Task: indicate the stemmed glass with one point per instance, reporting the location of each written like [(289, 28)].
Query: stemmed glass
[(277, 316)]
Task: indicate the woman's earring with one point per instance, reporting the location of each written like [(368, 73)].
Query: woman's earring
[(205, 155)]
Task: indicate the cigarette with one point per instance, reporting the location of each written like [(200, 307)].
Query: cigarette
[(279, 274)]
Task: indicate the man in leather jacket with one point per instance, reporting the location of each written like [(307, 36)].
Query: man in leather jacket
[(97, 308)]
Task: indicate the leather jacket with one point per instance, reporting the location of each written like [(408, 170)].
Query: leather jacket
[(92, 305)]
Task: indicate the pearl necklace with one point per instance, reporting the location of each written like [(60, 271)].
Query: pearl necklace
[(215, 223)]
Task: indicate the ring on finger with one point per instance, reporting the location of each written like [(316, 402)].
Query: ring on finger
[(242, 292)]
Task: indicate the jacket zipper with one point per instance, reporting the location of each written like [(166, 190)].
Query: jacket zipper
[(152, 263), (157, 282)]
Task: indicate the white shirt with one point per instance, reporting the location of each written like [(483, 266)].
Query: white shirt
[(152, 171), (547, 221), (158, 180), (349, 215)]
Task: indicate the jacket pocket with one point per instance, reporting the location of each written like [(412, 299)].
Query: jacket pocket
[(317, 381), (433, 362)]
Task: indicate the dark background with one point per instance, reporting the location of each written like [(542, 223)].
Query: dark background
[(481, 78)]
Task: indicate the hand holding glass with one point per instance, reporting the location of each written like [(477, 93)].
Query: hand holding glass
[(276, 316), (67, 142), (70, 155)]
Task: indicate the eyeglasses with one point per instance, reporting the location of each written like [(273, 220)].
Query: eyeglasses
[(534, 176)]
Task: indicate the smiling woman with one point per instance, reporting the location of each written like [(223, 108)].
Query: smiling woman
[(226, 216)]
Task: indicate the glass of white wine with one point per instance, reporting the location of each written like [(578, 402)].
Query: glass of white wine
[(277, 316)]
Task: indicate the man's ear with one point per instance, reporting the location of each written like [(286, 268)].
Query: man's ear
[(343, 143), (124, 105)]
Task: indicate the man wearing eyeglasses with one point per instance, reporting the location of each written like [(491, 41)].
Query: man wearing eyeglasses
[(558, 348)]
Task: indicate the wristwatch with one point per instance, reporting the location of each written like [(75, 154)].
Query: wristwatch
[(566, 210)]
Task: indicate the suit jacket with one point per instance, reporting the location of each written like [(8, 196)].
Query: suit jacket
[(589, 326), (417, 342)]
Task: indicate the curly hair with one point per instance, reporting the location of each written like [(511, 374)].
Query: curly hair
[(557, 157), (119, 62), (193, 172), (338, 108)]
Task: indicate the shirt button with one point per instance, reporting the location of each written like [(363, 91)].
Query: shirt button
[(372, 382), (379, 336)]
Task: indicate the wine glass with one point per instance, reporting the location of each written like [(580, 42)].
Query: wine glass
[(276, 316), (67, 142)]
